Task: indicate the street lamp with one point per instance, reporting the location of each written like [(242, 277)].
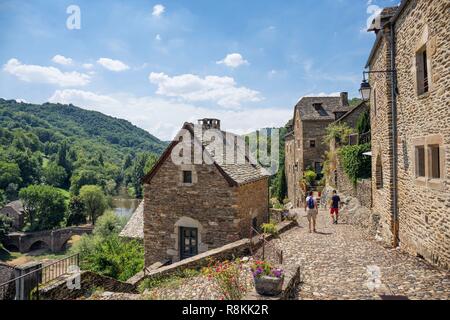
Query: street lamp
[(365, 90)]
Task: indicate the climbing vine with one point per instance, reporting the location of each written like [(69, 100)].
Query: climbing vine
[(355, 164)]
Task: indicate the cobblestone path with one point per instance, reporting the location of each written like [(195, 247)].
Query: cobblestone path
[(337, 263)]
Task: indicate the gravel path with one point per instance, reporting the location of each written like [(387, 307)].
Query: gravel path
[(339, 262)]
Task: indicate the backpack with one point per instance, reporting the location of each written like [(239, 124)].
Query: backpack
[(310, 203)]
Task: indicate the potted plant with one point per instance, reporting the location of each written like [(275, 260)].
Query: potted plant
[(268, 279)]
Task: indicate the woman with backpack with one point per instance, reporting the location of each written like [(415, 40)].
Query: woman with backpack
[(312, 211)]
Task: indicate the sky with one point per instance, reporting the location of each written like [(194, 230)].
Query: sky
[(161, 63)]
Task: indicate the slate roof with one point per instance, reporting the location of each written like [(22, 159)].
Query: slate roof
[(235, 173), (17, 206), (329, 105), (134, 229), (243, 173)]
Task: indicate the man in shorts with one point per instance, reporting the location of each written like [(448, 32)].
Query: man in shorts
[(335, 205), (311, 210)]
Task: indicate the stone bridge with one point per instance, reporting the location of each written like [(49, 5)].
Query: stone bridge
[(53, 240)]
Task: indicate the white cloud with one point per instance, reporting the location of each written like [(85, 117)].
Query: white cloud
[(113, 65), (163, 117), (158, 10), (222, 90), (233, 60), (41, 74), (88, 65), (323, 94), (59, 59), (158, 37)]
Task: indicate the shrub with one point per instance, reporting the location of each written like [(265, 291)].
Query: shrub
[(270, 228), (228, 278), (339, 131), (309, 176), (164, 281), (106, 253), (355, 164)]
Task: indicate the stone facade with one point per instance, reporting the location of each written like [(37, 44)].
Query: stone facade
[(221, 209), (305, 147), (14, 211), (423, 122)]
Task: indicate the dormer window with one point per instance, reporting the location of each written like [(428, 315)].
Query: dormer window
[(319, 108)]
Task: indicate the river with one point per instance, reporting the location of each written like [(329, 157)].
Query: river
[(124, 205)]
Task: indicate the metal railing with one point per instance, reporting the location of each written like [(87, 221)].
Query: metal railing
[(356, 139), (268, 249), (26, 286)]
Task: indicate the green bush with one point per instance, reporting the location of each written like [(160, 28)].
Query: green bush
[(310, 176), (270, 228), (355, 164), (339, 131), (104, 252)]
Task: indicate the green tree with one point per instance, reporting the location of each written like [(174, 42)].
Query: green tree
[(84, 177), (9, 173), (55, 175), (5, 226), (94, 201), (144, 163), (76, 213), (3, 198), (280, 185), (44, 206), (363, 122)]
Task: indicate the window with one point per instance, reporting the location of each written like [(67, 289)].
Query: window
[(379, 173), (435, 167), (420, 161), (319, 108), (422, 71), (188, 242), (374, 103), (187, 176), (312, 143)]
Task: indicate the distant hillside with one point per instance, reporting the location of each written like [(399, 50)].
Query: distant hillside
[(89, 131)]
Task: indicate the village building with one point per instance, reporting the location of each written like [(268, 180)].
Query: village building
[(336, 177), (193, 207), (14, 211), (304, 143), (134, 229), (410, 118)]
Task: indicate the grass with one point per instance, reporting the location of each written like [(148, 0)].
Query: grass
[(168, 281)]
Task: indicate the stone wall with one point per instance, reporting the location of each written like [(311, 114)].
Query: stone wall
[(423, 120), (362, 190), (253, 203), (240, 248), (89, 281), (210, 205), (424, 204), (381, 129)]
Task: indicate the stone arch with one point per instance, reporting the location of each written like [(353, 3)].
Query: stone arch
[(186, 222), (67, 243), (39, 244), (379, 172)]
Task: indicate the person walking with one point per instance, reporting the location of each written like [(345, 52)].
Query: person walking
[(335, 205), (312, 211)]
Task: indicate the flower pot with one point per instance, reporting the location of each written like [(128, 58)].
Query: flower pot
[(269, 286)]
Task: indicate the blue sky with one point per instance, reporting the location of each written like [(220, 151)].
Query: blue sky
[(161, 63)]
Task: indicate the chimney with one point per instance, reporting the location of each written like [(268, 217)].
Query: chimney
[(207, 123), (344, 99)]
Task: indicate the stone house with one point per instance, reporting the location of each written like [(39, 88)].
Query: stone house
[(14, 210), (134, 229), (192, 207), (304, 146), (337, 178), (410, 119)]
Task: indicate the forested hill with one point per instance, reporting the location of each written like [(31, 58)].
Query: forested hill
[(68, 147), (91, 130)]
